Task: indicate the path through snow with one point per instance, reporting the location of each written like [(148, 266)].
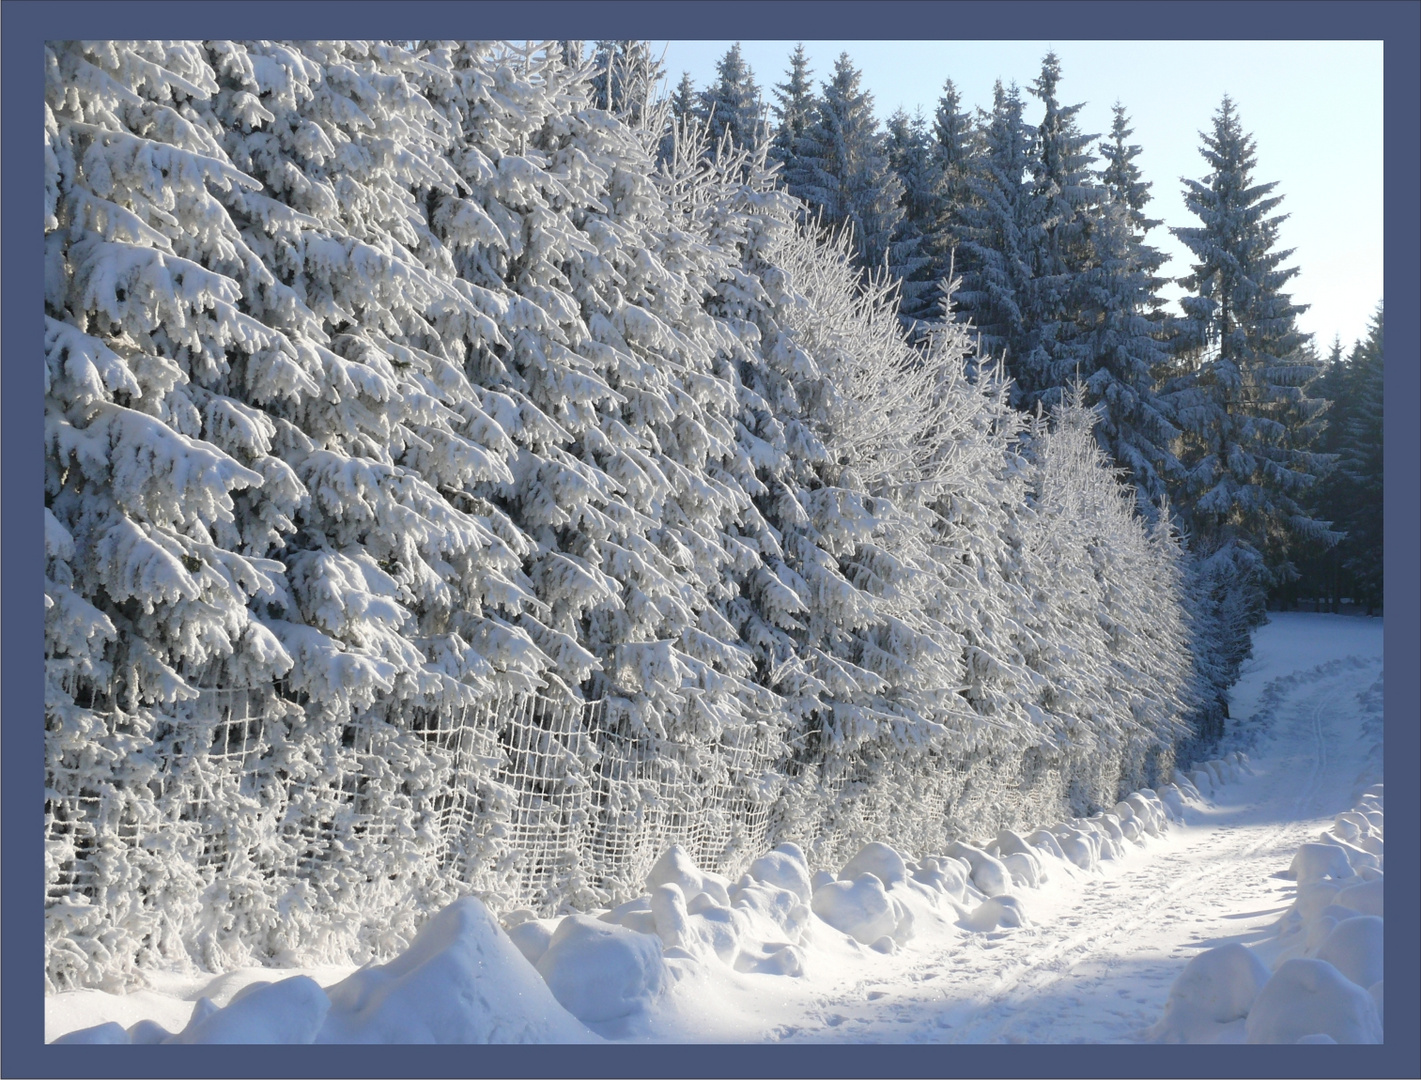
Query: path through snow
[(1102, 949), (1099, 960)]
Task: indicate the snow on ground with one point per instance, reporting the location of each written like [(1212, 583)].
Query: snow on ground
[(1081, 932)]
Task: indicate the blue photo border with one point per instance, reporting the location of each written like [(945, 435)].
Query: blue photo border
[(27, 23)]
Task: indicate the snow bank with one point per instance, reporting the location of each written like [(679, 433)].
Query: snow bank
[(601, 971), (289, 1011), (676, 867), (863, 909), (1326, 983), (877, 859), (462, 980), (1354, 947), (1306, 997), (996, 911), (467, 978), (988, 873), (1215, 991), (785, 867)]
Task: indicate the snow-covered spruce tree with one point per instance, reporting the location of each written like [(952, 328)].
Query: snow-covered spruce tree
[(625, 405), (389, 443), (1121, 177), (840, 168), (1243, 401), (854, 657), (1320, 575), (794, 107), (911, 158), (1125, 331), (1061, 247), (965, 647), (955, 145), (996, 231), (731, 106), (153, 568)]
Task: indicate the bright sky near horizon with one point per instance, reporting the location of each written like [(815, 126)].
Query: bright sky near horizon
[(1314, 109)]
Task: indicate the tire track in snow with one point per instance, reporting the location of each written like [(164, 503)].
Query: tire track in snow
[(1031, 981), (1019, 985)]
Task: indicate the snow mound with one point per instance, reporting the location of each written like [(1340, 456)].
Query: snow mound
[(945, 874), (462, 980), (1354, 947), (599, 971), (1080, 846), (1364, 897), (1025, 869), (785, 867), (1172, 798), (675, 867), (1337, 881), (1215, 989), (1307, 997), (988, 873), (1021, 859), (993, 912), (636, 914), (1326, 984), (290, 1011), (531, 937), (877, 859), (1314, 862), (862, 909), (98, 1035), (770, 912), (148, 1033), (1045, 840), (773, 958)]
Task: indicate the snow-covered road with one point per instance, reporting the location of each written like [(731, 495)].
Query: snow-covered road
[(1099, 961), (1103, 947)]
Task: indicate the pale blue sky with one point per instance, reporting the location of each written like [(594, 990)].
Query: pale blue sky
[(1314, 108)]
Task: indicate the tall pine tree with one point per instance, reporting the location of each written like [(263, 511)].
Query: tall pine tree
[(1351, 496), (955, 149), (1061, 245), (1360, 465), (997, 268), (683, 108), (1125, 340), (794, 108), (841, 169), (910, 154), (731, 106), (1244, 404)]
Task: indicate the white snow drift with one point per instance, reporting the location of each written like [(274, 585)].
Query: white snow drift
[(467, 978), (1326, 983)]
